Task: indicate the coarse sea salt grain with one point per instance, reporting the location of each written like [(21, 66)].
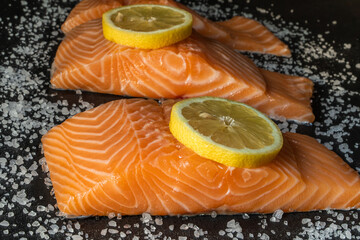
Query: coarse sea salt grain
[(113, 231), (4, 223), (276, 216), (77, 237), (146, 217), (112, 223), (103, 231), (159, 221)]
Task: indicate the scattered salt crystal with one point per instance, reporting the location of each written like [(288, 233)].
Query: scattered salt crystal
[(65, 111), (347, 45), (277, 215), (77, 225), (261, 10), (344, 226), (348, 234), (112, 223), (340, 217), (4, 223), (305, 220), (77, 237), (264, 236), (50, 207), (103, 232), (113, 231), (158, 221), (41, 229), (184, 227), (32, 214), (231, 224), (273, 219), (54, 228), (41, 208), (126, 226), (146, 217), (69, 228)]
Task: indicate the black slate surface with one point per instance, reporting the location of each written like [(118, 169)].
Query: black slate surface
[(324, 37)]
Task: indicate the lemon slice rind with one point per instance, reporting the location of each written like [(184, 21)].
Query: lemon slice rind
[(206, 147), (146, 40)]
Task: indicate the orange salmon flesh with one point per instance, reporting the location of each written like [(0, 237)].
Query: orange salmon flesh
[(239, 33), (196, 66), (120, 157)]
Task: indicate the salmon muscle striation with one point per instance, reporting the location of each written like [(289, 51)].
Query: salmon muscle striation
[(120, 157), (239, 32), (196, 66)]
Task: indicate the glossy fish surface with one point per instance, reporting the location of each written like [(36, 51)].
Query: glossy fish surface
[(239, 32), (196, 66), (120, 157)]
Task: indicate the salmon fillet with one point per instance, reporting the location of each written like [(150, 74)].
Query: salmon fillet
[(120, 157), (196, 66), (239, 32)]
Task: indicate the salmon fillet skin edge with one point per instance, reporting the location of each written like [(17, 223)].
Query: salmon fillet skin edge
[(194, 67), (238, 32), (120, 157)]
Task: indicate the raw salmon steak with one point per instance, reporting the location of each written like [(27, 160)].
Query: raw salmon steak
[(120, 157), (239, 32), (196, 66)]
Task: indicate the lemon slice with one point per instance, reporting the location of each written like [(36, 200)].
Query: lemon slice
[(146, 26), (225, 131)]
